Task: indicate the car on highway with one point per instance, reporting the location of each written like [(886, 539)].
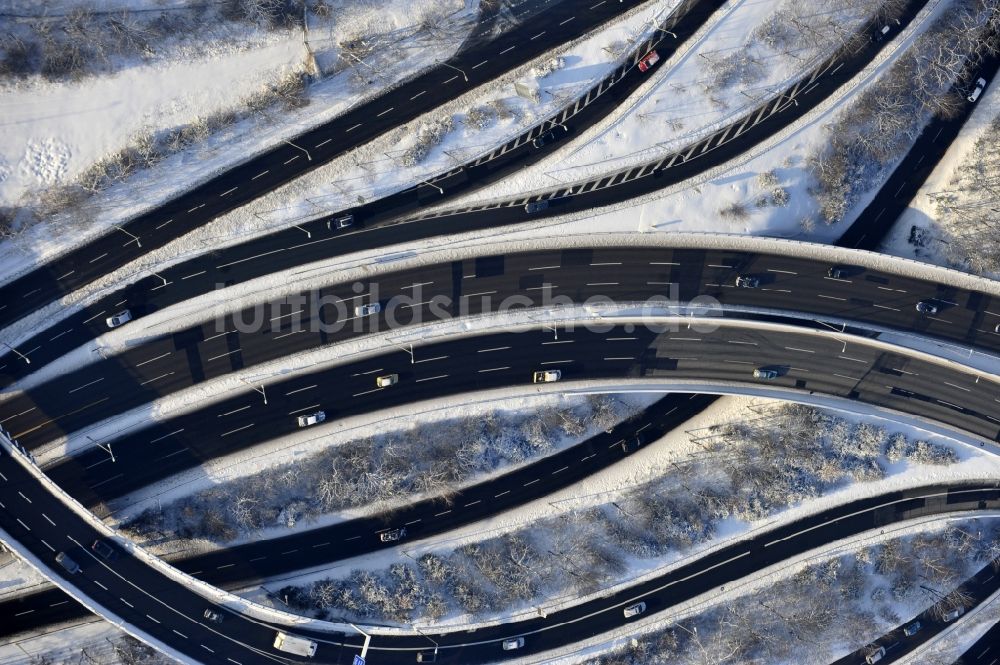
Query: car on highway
[(343, 221), (765, 373), (536, 206), (546, 376), (927, 307), (548, 137), (426, 657), (634, 610), (648, 60), (104, 550), (119, 319), (632, 443), (212, 615), (838, 272), (387, 380), (875, 656), (513, 643), (392, 535), (996, 328), (370, 308), (72, 567), (912, 629), (980, 86), (954, 614), (311, 419), (747, 282)]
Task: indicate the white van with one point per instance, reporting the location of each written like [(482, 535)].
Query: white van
[(299, 646)]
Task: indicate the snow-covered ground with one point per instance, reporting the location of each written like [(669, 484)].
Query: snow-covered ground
[(58, 130)]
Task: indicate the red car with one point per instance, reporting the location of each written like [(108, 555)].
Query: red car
[(648, 61)]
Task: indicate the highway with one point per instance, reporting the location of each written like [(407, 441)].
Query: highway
[(249, 564), (171, 612), (376, 224), (856, 371), (790, 285), (479, 62), (137, 593)]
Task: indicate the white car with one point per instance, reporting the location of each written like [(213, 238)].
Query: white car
[(954, 614), (387, 380), (635, 610), (546, 376), (513, 643), (312, 419), (119, 319), (392, 535), (875, 656), (980, 85), (747, 282), (365, 310)]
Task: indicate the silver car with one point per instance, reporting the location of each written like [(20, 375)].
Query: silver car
[(927, 307), (370, 308), (513, 643), (634, 610), (312, 419), (119, 319)]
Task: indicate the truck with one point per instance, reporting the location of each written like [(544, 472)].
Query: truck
[(299, 646)]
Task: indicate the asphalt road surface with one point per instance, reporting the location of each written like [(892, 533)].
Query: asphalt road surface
[(249, 564), (172, 612), (478, 63), (857, 371), (289, 248), (790, 285)]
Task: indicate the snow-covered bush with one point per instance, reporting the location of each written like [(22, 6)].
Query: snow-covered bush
[(479, 117), (968, 208), (428, 135), (545, 68)]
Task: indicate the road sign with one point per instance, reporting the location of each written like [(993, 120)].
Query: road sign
[(358, 660)]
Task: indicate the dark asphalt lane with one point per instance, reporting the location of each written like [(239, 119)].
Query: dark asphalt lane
[(166, 364), (245, 565), (896, 380), (171, 612), (127, 587), (477, 64), (150, 295), (288, 248)]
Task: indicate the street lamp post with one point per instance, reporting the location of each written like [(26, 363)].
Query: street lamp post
[(131, 235), (457, 70), (19, 354), (308, 156)]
